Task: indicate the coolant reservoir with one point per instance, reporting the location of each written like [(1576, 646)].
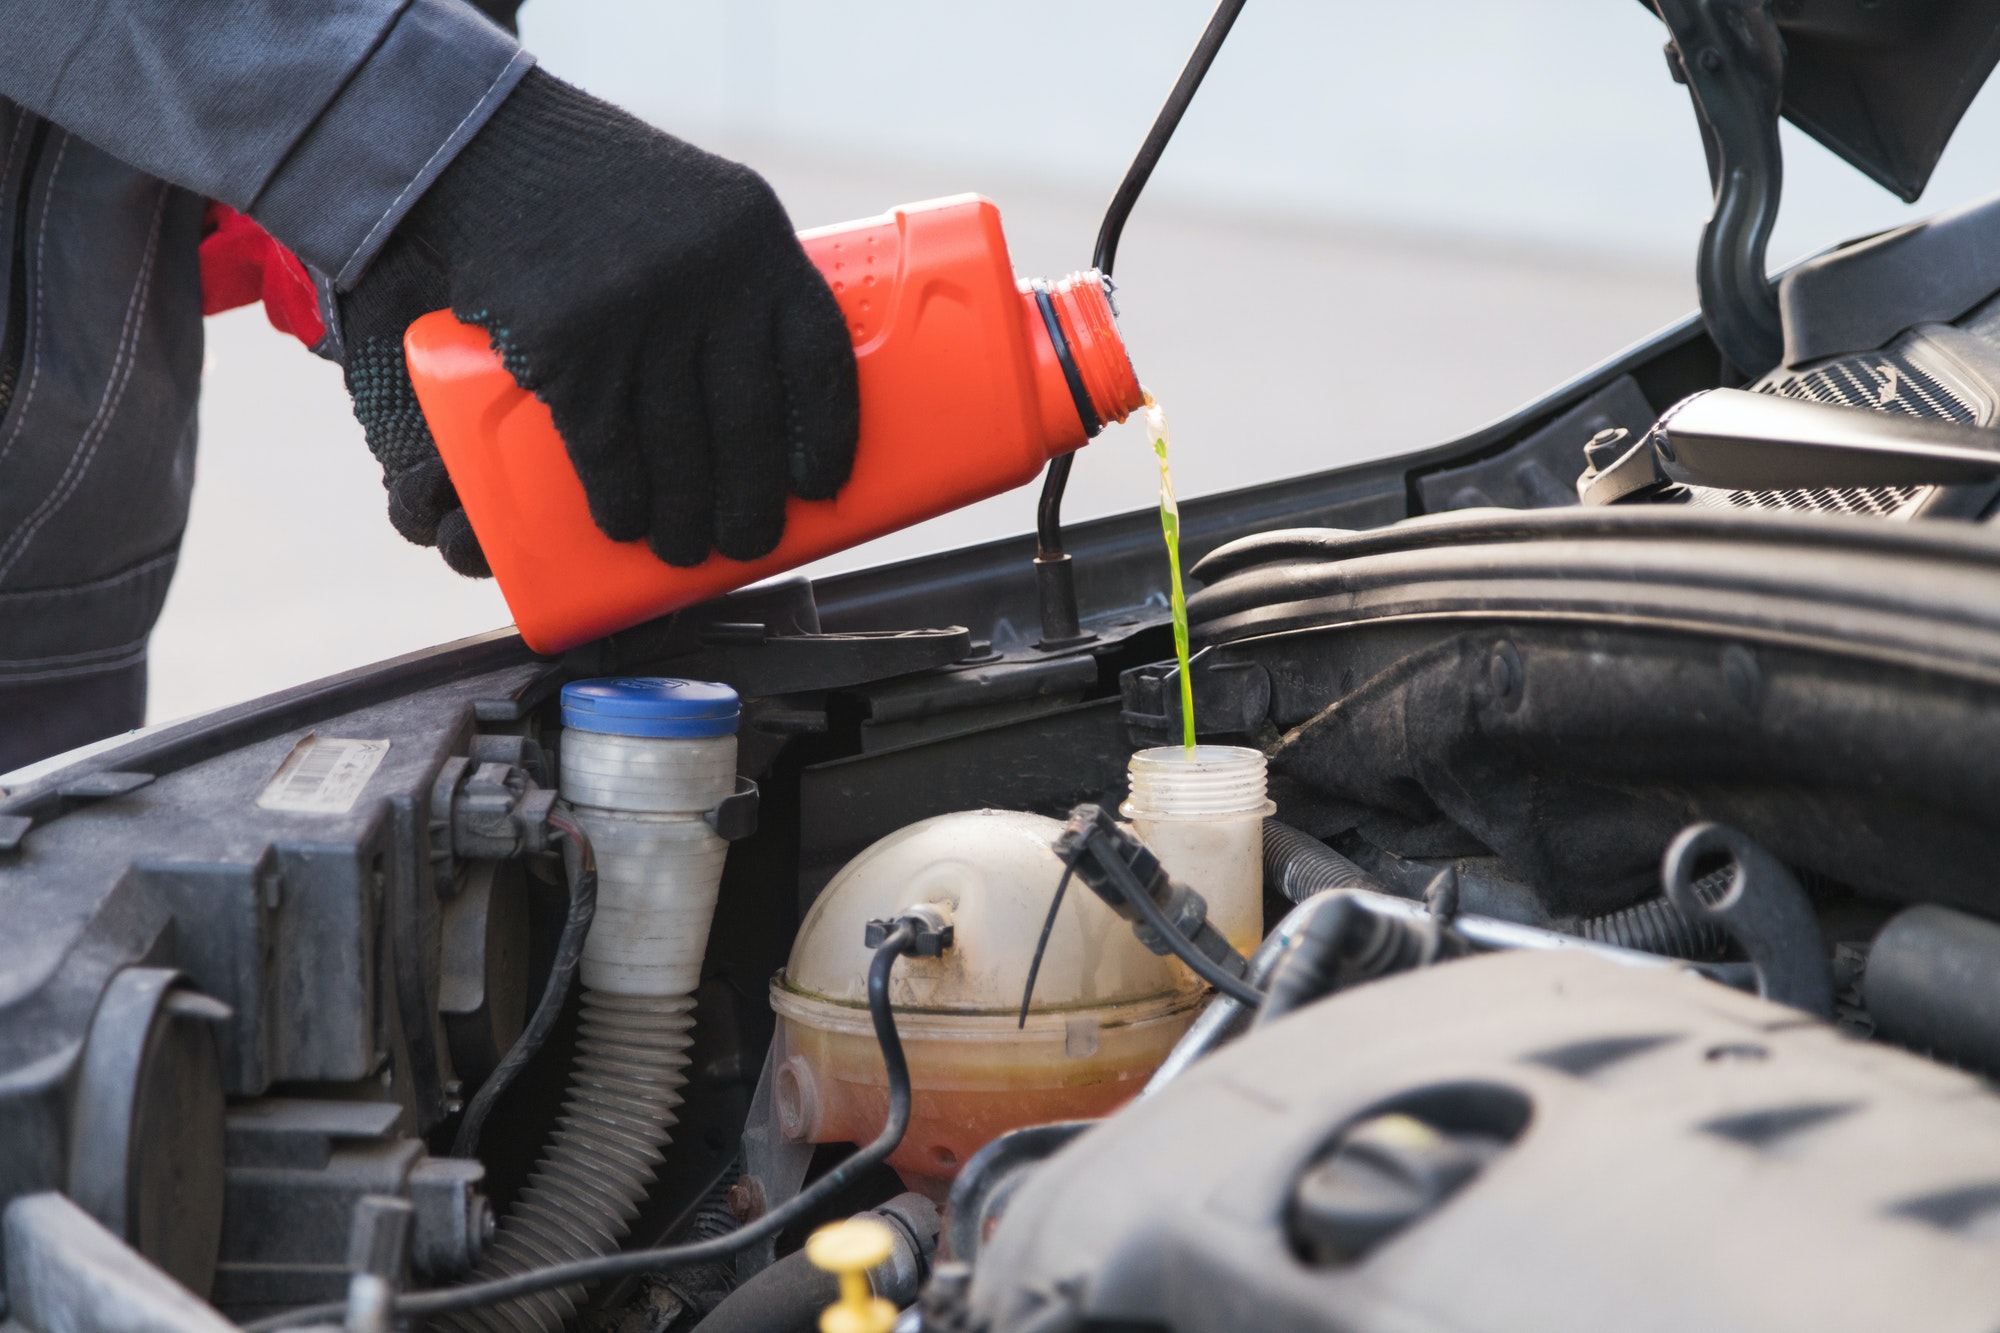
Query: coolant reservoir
[(1106, 1010)]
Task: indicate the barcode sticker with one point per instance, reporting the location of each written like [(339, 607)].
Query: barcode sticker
[(323, 776)]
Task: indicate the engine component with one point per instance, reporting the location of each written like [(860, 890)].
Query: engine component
[(65, 1271), (487, 810), (1202, 812), (1340, 943), (788, 1296), (848, 1250), (1166, 915), (1733, 439), (644, 761), (483, 981), (1106, 1011), (1760, 905), (1933, 984), (146, 1155), (981, 1193), (1611, 674), (1382, 1175), (1299, 865), (1653, 926), (1630, 1100), (1230, 698), (1226, 1018), (580, 871), (299, 1171), (477, 1296)]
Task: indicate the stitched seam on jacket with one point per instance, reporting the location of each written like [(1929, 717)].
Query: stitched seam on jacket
[(34, 358), (55, 668), (114, 393), (83, 658), (6, 170), (105, 584), (20, 128), (422, 180)]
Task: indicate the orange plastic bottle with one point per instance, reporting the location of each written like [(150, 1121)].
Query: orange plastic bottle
[(970, 382)]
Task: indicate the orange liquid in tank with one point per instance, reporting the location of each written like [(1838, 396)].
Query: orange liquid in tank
[(966, 1094), (963, 395)]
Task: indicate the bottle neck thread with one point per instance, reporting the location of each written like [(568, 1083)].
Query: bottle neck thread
[(1207, 782), (1077, 313)]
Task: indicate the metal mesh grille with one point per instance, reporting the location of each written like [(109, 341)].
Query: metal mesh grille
[(1882, 381), (1868, 501)]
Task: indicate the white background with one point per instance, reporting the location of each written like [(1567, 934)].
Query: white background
[(1379, 227)]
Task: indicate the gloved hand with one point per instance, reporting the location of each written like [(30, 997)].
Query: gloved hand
[(401, 286), (656, 298)]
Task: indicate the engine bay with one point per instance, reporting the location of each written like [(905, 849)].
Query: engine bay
[(1577, 912), (264, 963)]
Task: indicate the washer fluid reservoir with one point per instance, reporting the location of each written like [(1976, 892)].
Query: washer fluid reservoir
[(1106, 1010)]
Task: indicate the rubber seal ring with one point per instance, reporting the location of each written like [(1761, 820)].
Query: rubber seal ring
[(1077, 393)]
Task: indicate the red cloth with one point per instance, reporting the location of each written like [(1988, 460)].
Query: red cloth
[(242, 263)]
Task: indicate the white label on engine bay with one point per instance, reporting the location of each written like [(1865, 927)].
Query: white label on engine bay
[(323, 776)]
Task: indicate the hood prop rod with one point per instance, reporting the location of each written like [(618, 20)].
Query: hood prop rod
[(1055, 578)]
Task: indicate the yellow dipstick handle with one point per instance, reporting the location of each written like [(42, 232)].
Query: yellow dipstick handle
[(848, 1250)]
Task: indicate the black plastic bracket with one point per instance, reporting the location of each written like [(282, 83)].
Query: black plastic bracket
[(931, 932), (734, 817)]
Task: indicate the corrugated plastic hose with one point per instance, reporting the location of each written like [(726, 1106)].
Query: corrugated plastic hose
[(1656, 926), (630, 1069), (449, 1301), (579, 1203), (1299, 865)]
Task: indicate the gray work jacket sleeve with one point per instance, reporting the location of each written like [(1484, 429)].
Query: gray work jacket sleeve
[(323, 119)]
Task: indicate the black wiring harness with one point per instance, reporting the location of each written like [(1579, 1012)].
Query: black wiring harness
[(580, 870), (1167, 915), (903, 936)]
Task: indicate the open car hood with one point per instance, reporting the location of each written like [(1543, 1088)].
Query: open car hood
[(1884, 83)]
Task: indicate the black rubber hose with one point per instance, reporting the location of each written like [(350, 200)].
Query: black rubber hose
[(1655, 926), (786, 1297), (580, 869), (1307, 969), (472, 1295), (1299, 865)]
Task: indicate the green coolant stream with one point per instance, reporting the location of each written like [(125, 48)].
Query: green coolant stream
[(1170, 525)]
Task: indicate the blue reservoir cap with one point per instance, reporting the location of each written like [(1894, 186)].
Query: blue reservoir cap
[(651, 706)]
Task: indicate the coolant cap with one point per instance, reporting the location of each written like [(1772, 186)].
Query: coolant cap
[(659, 706)]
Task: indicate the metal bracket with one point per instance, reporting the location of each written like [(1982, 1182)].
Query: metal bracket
[(1735, 440)]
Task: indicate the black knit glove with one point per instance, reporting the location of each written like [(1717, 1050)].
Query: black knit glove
[(402, 285), (656, 298)]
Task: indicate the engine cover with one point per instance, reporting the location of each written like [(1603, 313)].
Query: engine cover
[(1607, 1147)]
